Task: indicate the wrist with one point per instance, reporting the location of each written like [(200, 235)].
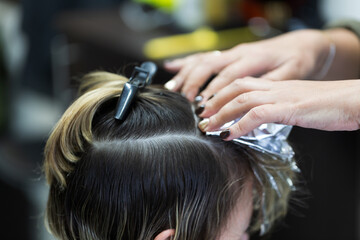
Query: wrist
[(326, 57), (318, 50), (346, 64), (322, 49)]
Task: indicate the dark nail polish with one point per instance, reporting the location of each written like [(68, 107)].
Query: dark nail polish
[(199, 109), (225, 134)]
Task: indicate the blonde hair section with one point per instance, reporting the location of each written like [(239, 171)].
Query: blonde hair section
[(273, 191), (73, 131)]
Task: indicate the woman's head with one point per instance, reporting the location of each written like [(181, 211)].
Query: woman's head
[(154, 171)]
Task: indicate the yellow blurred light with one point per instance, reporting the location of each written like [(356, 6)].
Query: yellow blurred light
[(203, 39), (167, 5), (200, 40)]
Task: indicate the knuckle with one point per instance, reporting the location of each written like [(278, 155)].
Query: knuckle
[(258, 114), (297, 63), (242, 83), (227, 73), (238, 130), (243, 98), (290, 117), (207, 60), (238, 83), (205, 69)]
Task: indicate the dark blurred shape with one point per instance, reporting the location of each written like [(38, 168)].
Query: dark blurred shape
[(13, 207), (330, 164), (38, 25), (330, 167), (281, 14), (3, 93)]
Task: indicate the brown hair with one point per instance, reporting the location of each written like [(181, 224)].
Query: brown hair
[(154, 171)]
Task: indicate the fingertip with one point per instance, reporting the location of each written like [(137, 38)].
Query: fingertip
[(208, 125), (175, 83), (225, 134), (170, 85), (203, 125), (199, 109), (207, 111)]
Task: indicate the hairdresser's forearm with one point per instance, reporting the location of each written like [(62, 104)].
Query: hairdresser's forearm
[(346, 64)]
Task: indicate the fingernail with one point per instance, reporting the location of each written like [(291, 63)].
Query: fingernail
[(198, 99), (170, 85), (200, 109), (203, 124), (225, 134)]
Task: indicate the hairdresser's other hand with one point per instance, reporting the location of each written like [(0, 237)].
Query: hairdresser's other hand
[(296, 55), (325, 105)]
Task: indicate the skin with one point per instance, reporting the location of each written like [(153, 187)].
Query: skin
[(325, 105), (238, 221)]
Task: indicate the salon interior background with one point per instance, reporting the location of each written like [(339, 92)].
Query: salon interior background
[(43, 43)]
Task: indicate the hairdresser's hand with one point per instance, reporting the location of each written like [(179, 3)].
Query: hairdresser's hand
[(296, 55), (325, 105)]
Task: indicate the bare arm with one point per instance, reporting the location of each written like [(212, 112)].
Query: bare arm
[(324, 105)]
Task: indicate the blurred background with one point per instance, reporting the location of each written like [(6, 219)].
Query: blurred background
[(46, 45)]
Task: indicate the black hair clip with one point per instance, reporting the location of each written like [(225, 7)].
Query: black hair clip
[(140, 78)]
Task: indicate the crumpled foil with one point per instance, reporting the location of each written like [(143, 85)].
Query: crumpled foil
[(268, 137)]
